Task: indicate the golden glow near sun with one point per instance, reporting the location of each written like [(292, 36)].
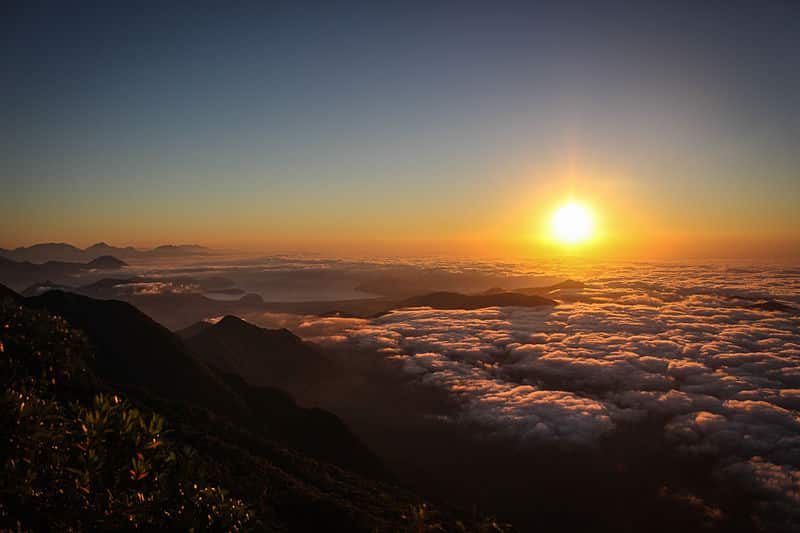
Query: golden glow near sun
[(572, 224)]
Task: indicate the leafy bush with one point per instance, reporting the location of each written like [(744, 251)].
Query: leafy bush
[(96, 465)]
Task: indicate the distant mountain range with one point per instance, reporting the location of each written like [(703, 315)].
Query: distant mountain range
[(22, 274), (60, 251), (137, 353), (183, 303)]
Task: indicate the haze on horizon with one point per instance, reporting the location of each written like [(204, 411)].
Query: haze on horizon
[(448, 129)]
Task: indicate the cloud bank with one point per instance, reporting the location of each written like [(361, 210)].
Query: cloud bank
[(681, 345)]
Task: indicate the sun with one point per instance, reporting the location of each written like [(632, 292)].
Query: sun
[(572, 223)]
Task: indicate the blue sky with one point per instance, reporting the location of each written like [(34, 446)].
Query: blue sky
[(312, 125)]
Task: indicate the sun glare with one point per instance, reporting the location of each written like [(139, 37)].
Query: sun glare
[(572, 224)]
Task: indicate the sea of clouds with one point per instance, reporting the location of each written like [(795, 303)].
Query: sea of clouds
[(679, 344)]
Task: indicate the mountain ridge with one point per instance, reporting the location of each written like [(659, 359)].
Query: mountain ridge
[(285, 471), (62, 251), (21, 274), (136, 353), (264, 357)]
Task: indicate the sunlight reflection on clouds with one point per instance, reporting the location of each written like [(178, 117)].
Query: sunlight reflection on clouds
[(687, 349)]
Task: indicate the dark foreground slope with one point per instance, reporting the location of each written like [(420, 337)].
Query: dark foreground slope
[(135, 351), (266, 357), (273, 485), (137, 354)]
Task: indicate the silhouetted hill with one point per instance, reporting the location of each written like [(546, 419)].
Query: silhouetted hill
[(454, 300), (772, 305), (271, 357), (100, 249), (194, 329), (47, 251), (41, 287), (555, 289), (106, 262), (20, 275), (179, 310), (569, 284), (315, 432), (256, 452), (167, 250), (40, 253), (136, 353), (132, 349), (7, 294)]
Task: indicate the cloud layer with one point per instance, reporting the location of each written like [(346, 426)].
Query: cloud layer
[(677, 344)]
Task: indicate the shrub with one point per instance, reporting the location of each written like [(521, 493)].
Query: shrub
[(96, 465)]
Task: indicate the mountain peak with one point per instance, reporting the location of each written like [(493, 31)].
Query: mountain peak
[(107, 262), (234, 321), (8, 294)]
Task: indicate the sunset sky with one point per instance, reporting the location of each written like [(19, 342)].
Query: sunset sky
[(432, 128)]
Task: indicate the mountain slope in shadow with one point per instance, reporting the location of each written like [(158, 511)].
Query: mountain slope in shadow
[(265, 357), (133, 350), (315, 432), (139, 355), (287, 489), (190, 331)]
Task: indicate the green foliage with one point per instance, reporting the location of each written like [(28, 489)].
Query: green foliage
[(96, 465), (422, 519)]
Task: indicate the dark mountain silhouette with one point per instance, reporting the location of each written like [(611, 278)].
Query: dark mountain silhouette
[(315, 432), (106, 262), (194, 329), (454, 300), (48, 251), (52, 251), (108, 287), (42, 287), (553, 290), (266, 357), (569, 284), (7, 294), (136, 353), (179, 309), (166, 250), (19, 275), (262, 451), (101, 248), (772, 305), (133, 350), (180, 249)]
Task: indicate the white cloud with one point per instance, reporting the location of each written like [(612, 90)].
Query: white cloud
[(677, 343)]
